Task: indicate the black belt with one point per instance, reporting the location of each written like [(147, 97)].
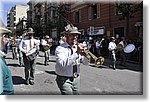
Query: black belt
[(68, 77)]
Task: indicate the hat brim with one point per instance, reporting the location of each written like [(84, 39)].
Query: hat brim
[(76, 32), (30, 32), (5, 30)]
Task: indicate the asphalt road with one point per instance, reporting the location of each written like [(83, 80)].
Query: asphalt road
[(94, 81)]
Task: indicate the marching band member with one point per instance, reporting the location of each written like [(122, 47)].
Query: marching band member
[(20, 59), (25, 46), (68, 57), (112, 47), (14, 47), (46, 43), (122, 54)]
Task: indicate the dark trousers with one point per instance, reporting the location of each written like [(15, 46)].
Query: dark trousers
[(29, 68), (14, 52), (123, 58), (47, 55)]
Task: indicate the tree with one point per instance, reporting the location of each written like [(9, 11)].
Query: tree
[(127, 10)]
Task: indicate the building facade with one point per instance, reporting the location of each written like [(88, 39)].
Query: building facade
[(15, 15), (46, 17), (102, 20)]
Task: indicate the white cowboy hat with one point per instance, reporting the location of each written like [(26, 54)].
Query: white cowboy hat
[(47, 37), (74, 30), (30, 31), (70, 29), (5, 30)]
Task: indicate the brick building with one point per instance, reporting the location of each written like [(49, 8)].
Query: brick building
[(102, 19)]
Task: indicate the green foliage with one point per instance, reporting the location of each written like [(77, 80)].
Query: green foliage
[(127, 9)]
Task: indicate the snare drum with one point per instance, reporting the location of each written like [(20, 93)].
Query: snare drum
[(129, 49), (32, 54)]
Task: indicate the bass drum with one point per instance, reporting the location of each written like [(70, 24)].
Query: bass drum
[(129, 49), (31, 55)]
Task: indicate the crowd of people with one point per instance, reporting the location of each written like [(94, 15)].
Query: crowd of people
[(69, 53)]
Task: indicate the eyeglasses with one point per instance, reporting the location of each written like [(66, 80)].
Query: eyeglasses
[(72, 34)]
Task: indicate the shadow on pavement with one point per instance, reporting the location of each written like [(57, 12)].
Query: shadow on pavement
[(52, 60), (14, 65), (8, 58), (40, 63), (130, 67), (51, 72), (18, 80)]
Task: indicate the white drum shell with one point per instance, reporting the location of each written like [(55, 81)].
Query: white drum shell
[(32, 54)]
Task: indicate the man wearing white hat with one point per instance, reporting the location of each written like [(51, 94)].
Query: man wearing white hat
[(46, 43), (68, 57), (6, 83), (26, 45)]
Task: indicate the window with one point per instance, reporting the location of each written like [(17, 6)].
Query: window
[(94, 11), (117, 7), (119, 31), (77, 16)]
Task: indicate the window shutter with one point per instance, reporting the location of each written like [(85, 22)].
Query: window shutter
[(79, 15), (74, 15), (98, 10), (90, 13)]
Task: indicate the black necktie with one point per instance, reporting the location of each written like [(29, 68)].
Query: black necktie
[(70, 49), (74, 66)]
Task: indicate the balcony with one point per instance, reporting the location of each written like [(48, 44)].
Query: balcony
[(38, 5)]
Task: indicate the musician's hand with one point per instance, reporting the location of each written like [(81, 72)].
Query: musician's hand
[(25, 52), (80, 49)]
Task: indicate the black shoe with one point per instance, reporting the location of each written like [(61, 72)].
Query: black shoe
[(27, 83), (46, 64), (114, 68), (31, 82)]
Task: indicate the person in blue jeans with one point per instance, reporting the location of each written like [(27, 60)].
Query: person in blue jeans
[(6, 83), (6, 78)]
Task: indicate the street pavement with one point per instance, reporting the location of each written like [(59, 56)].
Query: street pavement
[(94, 81)]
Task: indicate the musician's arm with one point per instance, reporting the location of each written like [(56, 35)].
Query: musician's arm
[(63, 59), (36, 43), (21, 47)]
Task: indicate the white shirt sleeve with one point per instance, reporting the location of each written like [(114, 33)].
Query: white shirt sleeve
[(22, 46), (44, 42), (62, 57)]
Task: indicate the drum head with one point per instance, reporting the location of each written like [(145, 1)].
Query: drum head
[(32, 51), (129, 48)]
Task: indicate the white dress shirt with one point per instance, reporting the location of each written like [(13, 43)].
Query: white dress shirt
[(97, 44), (112, 46), (25, 44), (65, 60), (44, 42), (122, 43)]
